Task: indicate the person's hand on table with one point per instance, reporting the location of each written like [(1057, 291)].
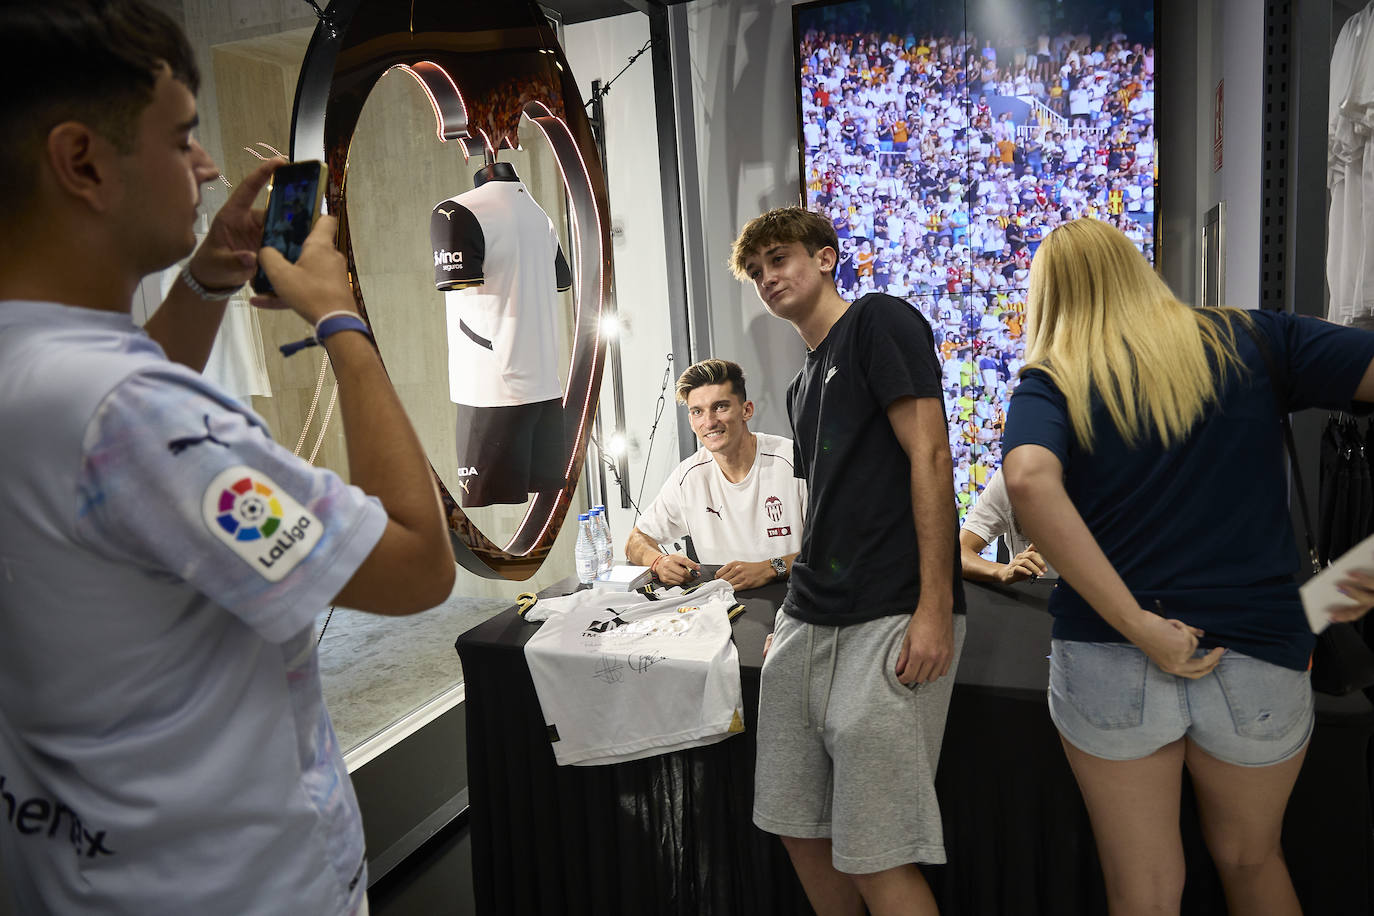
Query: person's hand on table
[(1359, 587), (743, 576), (1028, 564), (675, 569), (1172, 644)]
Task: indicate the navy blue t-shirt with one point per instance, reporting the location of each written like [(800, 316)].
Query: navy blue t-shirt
[(1202, 528), (859, 559)]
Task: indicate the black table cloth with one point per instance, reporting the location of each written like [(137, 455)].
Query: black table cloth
[(673, 835)]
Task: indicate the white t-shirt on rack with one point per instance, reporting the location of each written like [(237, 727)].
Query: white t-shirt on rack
[(620, 676), (756, 519)]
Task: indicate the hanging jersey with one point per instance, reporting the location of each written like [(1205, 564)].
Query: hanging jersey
[(620, 677), (756, 519), (499, 264)]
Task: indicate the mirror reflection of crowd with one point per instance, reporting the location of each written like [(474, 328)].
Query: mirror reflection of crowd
[(943, 160)]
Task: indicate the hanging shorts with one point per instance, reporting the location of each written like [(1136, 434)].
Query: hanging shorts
[(507, 453)]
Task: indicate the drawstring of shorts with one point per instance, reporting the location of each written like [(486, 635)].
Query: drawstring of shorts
[(806, 675)]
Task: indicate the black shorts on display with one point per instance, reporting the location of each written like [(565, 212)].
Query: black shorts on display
[(507, 453)]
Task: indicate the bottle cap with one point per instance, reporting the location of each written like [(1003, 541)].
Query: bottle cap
[(583, 516)]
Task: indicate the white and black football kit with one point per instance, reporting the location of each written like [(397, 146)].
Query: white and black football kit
[(498, 262)]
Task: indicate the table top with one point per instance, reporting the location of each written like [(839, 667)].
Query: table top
[(1006, 647)]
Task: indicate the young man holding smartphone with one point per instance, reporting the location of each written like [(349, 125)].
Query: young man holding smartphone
[(163, 738), (858, 678)]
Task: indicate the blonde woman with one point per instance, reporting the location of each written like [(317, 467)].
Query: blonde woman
[(1145, 460)]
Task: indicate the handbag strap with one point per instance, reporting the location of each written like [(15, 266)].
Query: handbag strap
[(1267, 355)]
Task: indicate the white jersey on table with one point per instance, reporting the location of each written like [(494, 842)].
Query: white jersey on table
[(503, 333), (620, 677), (756, 519)]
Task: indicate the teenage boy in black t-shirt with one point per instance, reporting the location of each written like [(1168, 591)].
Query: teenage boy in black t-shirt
[(857, 681)]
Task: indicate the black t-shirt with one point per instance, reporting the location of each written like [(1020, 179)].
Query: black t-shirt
[(859, 560)]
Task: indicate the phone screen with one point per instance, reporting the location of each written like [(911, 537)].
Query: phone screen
[(291, 211)]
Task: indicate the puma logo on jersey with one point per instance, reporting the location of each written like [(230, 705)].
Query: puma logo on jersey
[(177, 446), (602, 626), (831, 374), (448, 214), (715, 512)]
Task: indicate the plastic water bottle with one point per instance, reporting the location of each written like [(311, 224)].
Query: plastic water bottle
[(605, 553), (585, 550)]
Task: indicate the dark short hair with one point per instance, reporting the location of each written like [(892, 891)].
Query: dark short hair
[(782, 227), (711, 372), (92, 61)]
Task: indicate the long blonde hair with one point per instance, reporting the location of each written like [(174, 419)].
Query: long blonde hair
[(1100, 320)]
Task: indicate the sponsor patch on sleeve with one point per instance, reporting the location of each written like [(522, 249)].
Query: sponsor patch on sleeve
[(260, 521)]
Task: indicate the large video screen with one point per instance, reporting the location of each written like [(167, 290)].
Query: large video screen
[(945, 138)]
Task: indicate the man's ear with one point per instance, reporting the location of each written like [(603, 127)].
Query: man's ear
[(827, 257), (748, 410), (81, 163)]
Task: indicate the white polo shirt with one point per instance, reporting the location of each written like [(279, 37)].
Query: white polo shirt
[(992, 517), (756, 519), (163, 735)]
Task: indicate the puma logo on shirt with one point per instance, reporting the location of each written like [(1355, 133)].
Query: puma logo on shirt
[(831, 374), (177, 446), (715, 512)]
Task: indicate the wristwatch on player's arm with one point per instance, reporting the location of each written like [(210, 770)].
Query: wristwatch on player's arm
[(779, 567)]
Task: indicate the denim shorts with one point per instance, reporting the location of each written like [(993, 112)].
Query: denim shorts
[(1109, 700)]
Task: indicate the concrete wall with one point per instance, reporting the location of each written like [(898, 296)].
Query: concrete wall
[(745, 130), (597, 51), (1230, 48)]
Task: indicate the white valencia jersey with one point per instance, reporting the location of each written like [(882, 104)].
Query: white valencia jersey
[(499, 264), (756, 519), (620, 677)]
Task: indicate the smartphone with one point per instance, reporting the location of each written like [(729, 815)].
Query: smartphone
[(293, 205)]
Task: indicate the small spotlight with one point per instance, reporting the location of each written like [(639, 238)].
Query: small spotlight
[(610, 326), (615, 447)]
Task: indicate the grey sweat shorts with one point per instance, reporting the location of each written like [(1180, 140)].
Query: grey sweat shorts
[(847, 751)]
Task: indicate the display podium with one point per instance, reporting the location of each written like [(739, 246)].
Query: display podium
[(672, 835)]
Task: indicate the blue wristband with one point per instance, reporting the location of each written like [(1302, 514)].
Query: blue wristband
[(330, 324), (333, 324)]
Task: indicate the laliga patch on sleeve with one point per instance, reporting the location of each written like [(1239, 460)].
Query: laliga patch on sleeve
[(260, 521)]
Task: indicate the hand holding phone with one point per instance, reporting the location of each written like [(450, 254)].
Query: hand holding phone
[(293, 206)]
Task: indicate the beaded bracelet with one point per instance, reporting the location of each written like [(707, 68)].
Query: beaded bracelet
[(203, 291)]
